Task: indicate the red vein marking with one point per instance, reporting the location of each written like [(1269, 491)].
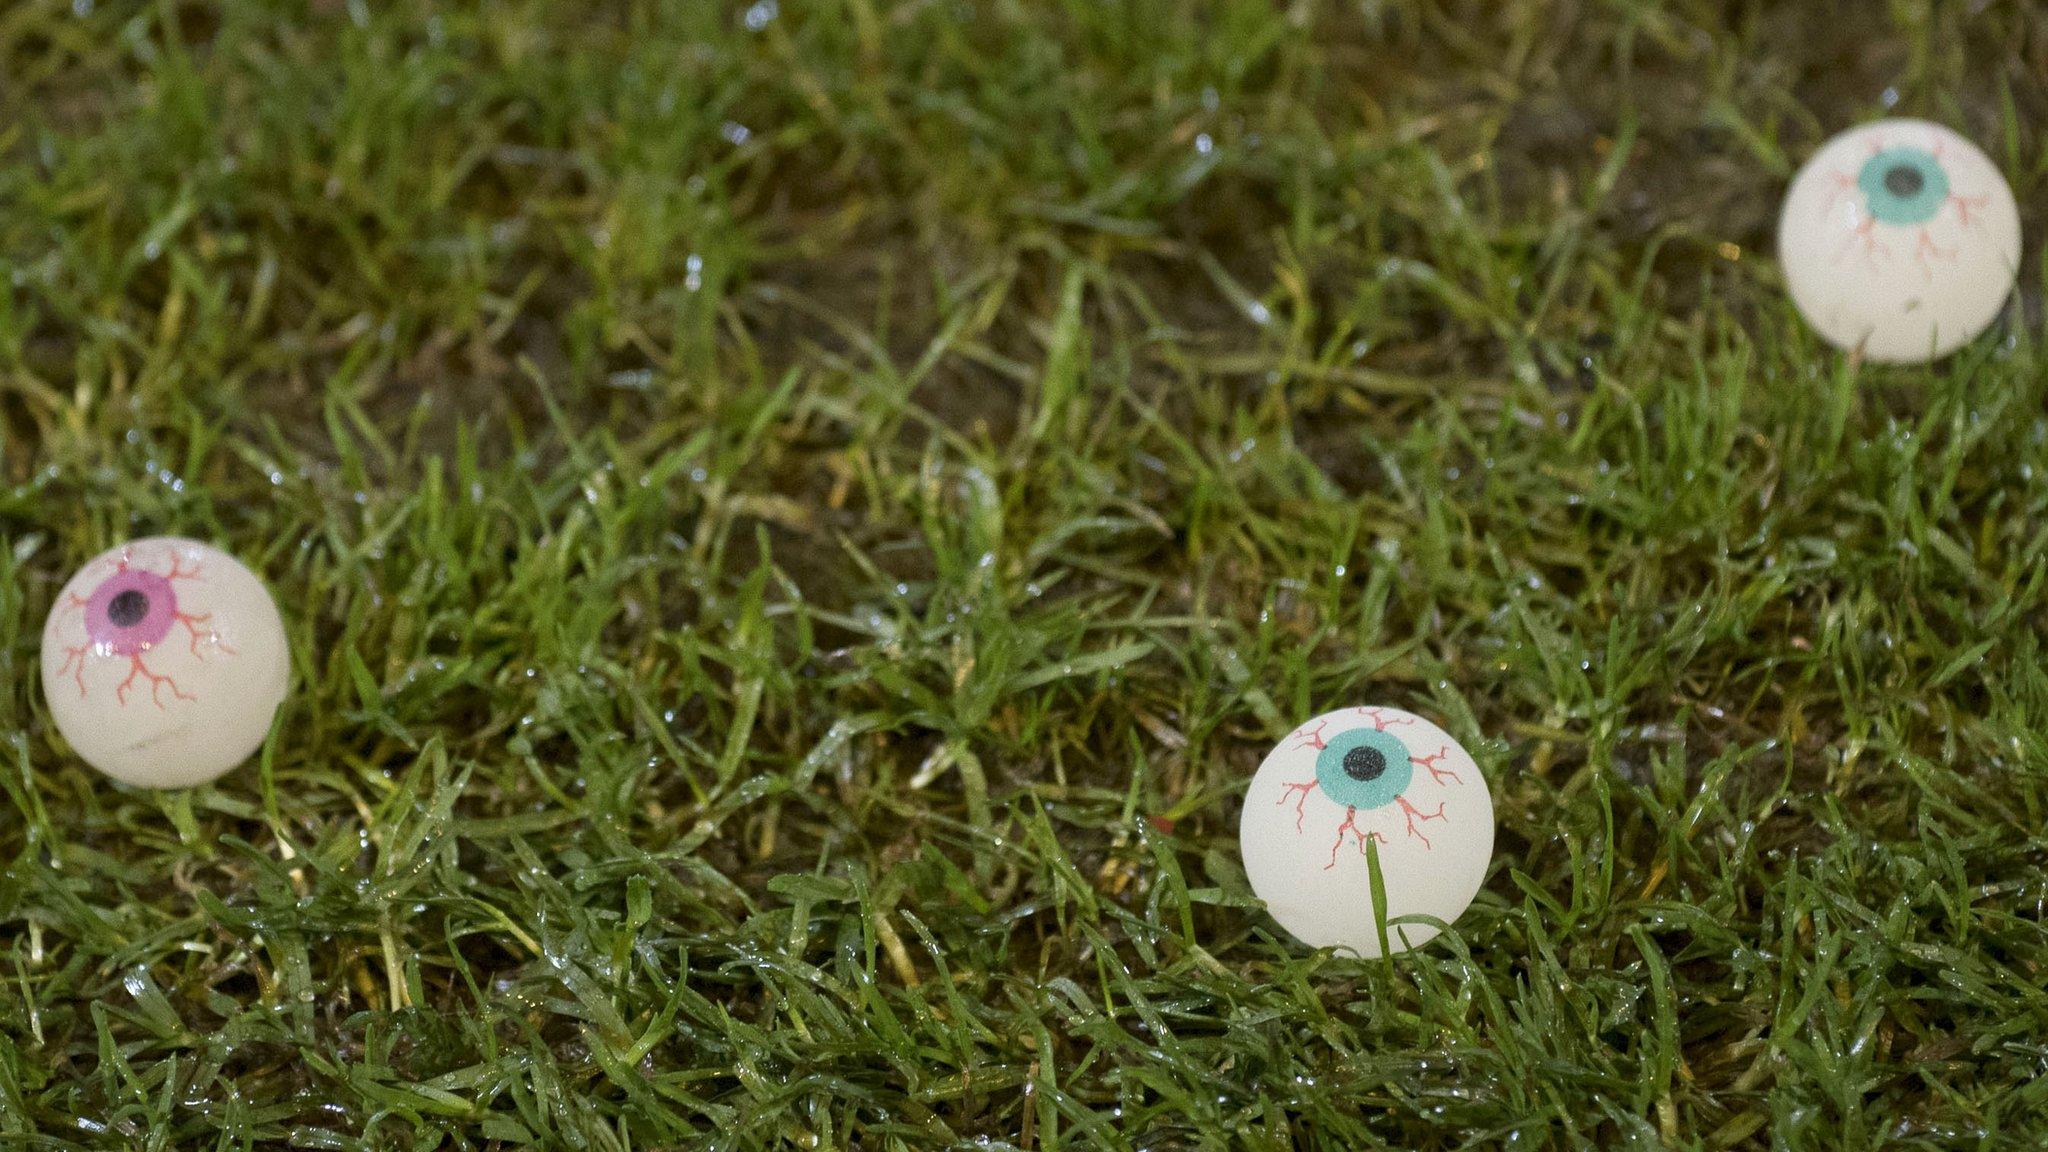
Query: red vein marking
[(156, 683), (1429, 763), (1967, 204), (1381, 723), (1350, 825), (1300, 794), (1414, 814), (74, 663), (1313, 739)]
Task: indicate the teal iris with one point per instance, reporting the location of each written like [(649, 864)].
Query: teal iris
[(1363, 768), (1903, 185)]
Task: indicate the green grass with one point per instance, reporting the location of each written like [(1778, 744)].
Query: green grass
[(795, 538)]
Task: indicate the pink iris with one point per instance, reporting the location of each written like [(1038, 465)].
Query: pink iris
[(130, 612)]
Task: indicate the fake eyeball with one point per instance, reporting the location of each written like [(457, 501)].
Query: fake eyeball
[(1366, 780), (163, 662), (1901, 238)]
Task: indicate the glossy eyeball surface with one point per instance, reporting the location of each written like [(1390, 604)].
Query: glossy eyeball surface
[(1901, 238), (1359, 780), (163, 662)]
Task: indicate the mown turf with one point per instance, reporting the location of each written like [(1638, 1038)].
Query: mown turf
[(797, 523)]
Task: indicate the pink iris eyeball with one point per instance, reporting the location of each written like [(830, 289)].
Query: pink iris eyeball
[(164, 662)]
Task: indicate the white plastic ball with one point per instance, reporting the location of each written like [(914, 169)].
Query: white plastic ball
[(1359, 780), (163, 662), (1900, 238)]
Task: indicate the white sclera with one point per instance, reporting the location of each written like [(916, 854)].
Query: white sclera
[(1310, 867), (1906, 278), (163, 662)]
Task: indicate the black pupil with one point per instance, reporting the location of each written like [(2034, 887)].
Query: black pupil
[(1364, 763), (1903, 180), (128, 608)]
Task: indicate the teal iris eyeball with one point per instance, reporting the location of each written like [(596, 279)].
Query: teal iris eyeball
[(1362, 804), (1364, 768), (1899, 241)]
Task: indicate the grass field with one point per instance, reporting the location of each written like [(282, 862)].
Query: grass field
[(798, 522)]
